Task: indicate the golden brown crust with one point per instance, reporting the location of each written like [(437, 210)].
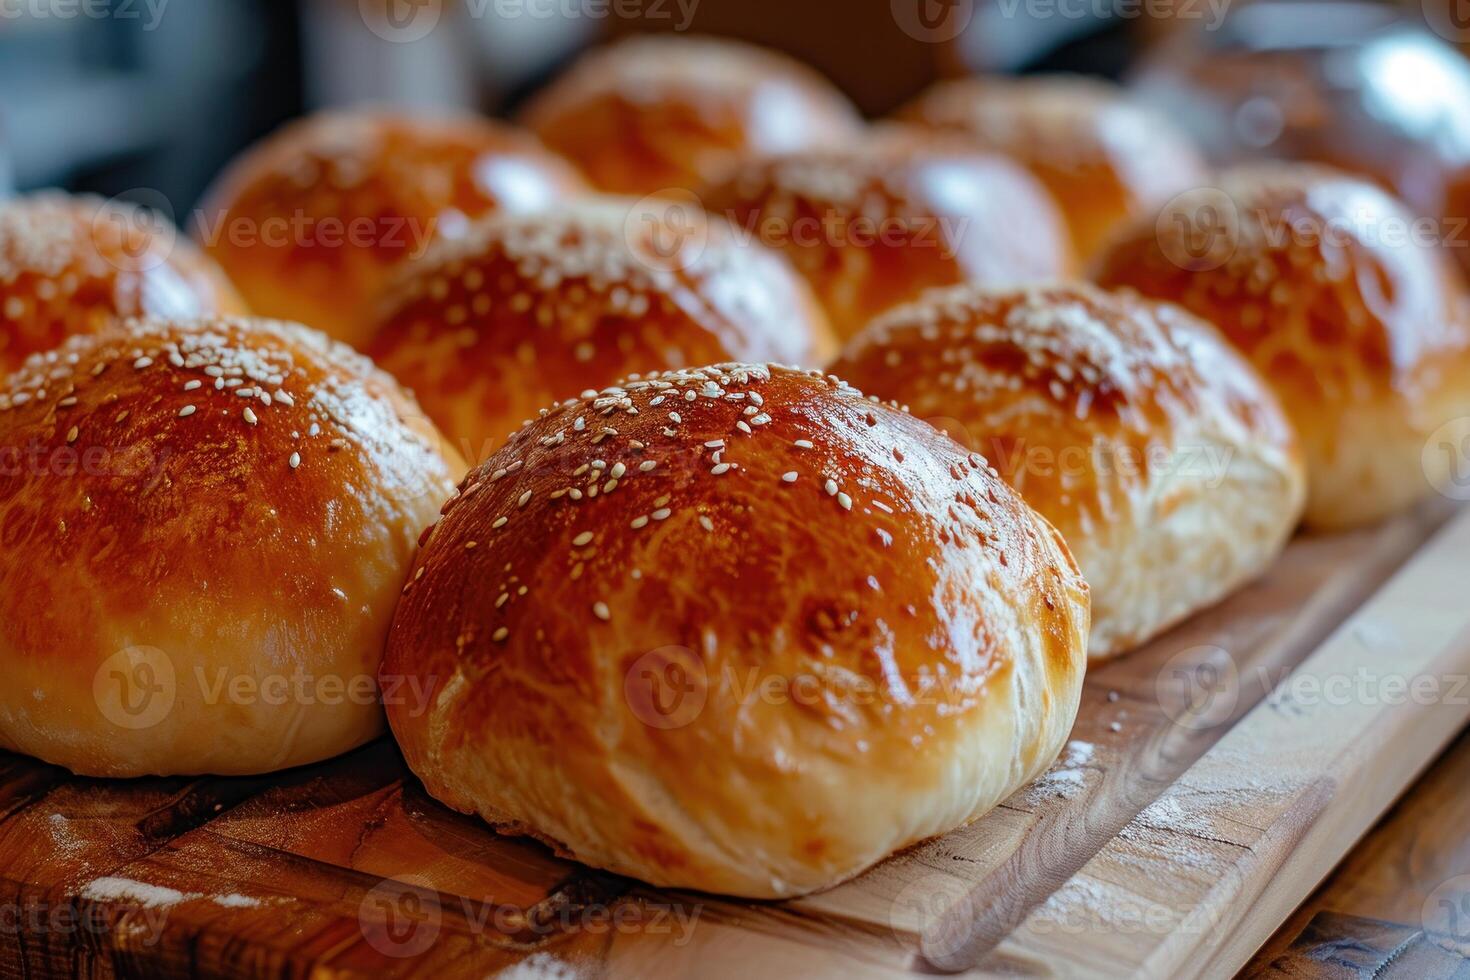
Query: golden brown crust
[(874, 224), (653, 114), (1320, 280), (530, 310), (311, 222), (242, 496), (76, 264), (1105, 159), (722, 529), (1133, 427)]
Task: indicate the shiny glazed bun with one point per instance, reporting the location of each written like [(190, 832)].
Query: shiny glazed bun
[(1324, 283), (530, 310), (1105, 159), (310, 223), (75, 264), (1134, 428), (874, 225), (204, 527), (651, 114), (738, 629)]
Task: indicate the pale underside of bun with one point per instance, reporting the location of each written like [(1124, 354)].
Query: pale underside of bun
[(1359, 327), (1133, 427), (206, 527), (727, 527)]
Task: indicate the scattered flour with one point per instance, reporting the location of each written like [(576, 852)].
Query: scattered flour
[(539, 966), (128, 890), (236, 901), (1067, 777)]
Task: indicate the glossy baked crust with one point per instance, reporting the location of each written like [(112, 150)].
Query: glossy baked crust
[(1326, 284), (75, 264), (651, 114), (1132, 426), (531, 310), (611, 610), (311, 222), (204, 527), (1104, 158), (874, 224)]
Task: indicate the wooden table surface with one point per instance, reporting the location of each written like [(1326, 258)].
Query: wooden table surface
[(1398, 907)]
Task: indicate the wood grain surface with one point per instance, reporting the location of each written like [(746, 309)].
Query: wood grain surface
[(1211, 782)]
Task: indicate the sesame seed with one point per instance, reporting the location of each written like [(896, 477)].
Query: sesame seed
[(584, 538), (845, 501), (194, 385), (471, 545), (143, 362), (500, 522), (295, 460), (72, 434), (789, 477), (618, 470), (499, 635), (600, 610), (524, 500), (720, 469), (646, 465), (803, 444), (706, 523), (662, 514), (640, 522), (830, 486)]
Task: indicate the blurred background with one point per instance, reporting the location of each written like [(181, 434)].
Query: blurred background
[(114, 95)]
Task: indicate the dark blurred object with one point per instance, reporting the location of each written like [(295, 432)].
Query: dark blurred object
[(116, 96), (1352, 84)]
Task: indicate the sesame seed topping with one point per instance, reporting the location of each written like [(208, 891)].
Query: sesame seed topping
[(295, 460), (803, 444), (499, 635), (186, 411), (525, 499), (584, 538), (845, 501), (706, 523), (720, 469), (646, 465), (600, 610), (830, 486), (500, 522), (249, 415), (789, 477)]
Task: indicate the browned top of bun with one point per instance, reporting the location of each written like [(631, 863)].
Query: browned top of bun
[(71, 265), (765, 517), (1068, 368), (655, 113), (307, 221), (528, 310), (874, 224), (213, 468), (1101, 155), (1322, 279)]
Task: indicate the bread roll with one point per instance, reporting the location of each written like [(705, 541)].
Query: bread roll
[(1327, 284), (1105, 159), (738, 629), (652, 114), (1133, 427), (75, 264), (529, 310), (874, 225), (311, 222), (204, 527)]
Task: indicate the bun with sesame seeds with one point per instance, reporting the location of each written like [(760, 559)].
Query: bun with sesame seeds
[(1132, 426), (874, 224), (311, 223), (1327, 285), (1104, 158), (529, 310), (76, 264), (206, 525), (653, 114), (736, 628)]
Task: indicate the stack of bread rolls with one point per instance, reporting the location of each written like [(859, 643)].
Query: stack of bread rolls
[(597, 486)]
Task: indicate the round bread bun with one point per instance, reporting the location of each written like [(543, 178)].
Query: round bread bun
[(736, 628), (529, 310), (1105, 159), (1326, 285), (76, 264), (311, 222), (874, 225), (658, 113), (204, 528), (1133, 427)]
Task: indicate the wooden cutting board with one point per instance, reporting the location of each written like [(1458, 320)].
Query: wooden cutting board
[(1212, 780)]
